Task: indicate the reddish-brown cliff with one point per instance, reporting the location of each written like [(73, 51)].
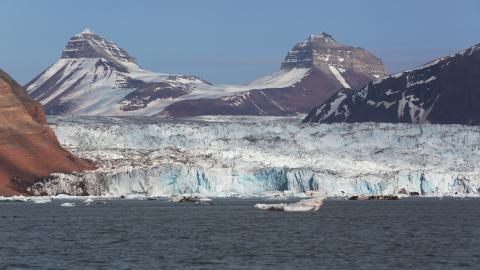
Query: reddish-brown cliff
[(29, 149)]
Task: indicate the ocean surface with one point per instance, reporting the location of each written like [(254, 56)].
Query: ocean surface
[(232, 234)]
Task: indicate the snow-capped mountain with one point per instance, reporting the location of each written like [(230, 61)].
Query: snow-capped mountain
[(227, 156), (311, 72), (445, 91), (96, 77)]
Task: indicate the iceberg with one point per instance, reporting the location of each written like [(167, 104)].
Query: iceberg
[(41, 200), (302, 206), (67, 204)]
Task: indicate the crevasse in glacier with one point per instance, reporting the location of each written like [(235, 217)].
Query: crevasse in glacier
[(229, 157)]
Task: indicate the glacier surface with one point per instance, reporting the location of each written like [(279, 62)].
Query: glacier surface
[(258, 155)]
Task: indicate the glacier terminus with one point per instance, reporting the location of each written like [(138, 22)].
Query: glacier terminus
[(254, 156)]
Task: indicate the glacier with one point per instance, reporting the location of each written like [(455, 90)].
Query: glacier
[(238, 156)]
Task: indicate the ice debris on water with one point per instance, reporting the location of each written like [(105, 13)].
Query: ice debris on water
[(31, 199), (185, 198), (88, 201), (67, 204), (306, 205), (41, 199)]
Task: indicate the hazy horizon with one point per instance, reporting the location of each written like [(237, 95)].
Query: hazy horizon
[(233, 42)]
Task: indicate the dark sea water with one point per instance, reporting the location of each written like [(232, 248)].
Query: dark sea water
[(232, 234)]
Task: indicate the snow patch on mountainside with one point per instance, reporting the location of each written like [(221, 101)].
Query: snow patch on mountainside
[(279, 79), (338, 76)]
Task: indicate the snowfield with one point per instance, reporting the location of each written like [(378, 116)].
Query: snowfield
[(257, 156)]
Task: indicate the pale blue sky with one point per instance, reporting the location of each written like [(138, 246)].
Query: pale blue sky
[(227, 41)]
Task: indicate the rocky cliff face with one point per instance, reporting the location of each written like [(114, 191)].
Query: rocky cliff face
[(323, 51), (87, 44), (444, 91), (29, 149)]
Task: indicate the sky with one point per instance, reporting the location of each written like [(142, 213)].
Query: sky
[(229, 42)]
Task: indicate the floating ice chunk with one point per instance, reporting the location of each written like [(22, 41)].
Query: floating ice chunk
[(67, 204), (41, 199), (137, 196), (302, 206), (88, 200), (271, 207), (185, 198), (298, 208), (13, 199), (281, 195), (26, 199), (63, 196)]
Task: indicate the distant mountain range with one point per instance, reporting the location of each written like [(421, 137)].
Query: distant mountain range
[(445, 91), (96, 77)]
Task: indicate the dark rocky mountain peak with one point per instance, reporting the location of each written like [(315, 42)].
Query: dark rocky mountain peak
[(87, 44), (323, 52)]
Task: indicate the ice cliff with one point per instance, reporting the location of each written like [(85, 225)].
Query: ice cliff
[(254, 156)]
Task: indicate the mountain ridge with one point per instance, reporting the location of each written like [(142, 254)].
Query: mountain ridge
[(95, 76), (442, 91)]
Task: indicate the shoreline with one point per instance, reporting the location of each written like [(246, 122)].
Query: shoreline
[(140, 197)]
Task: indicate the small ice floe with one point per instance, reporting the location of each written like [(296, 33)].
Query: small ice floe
[(191, 199), (32, 199), (14, 199), (374, 197), (41, 199), (64, 197), (88, 201), (185, 198), (67, 204), (206, 201), (302, 206), (281, 195), (138, 196)]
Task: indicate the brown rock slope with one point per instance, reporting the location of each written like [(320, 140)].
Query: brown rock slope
[(331, 66), (29, 149)]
